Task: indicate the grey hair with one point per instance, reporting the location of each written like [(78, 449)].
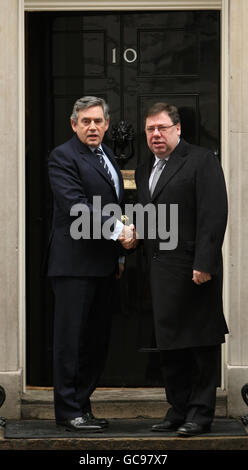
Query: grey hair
[(87, 102)]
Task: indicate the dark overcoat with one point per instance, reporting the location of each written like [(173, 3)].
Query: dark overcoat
[(76, 176), (185, 314)]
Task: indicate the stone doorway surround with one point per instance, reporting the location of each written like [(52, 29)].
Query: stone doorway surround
[(234, 142)]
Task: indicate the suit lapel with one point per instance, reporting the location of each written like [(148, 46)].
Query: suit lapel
[(92, 160), (176, 161), (145, 171)]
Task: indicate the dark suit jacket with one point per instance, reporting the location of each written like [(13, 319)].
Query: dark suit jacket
[(186, 314), (76, 176)]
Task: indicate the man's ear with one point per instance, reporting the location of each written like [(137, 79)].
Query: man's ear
[(106, 125), (74, 126), (178, 129)]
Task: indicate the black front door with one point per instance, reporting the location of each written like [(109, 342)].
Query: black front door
[(132, 60)]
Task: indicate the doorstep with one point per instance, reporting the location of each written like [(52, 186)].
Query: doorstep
[(120, 403), (124, 436)]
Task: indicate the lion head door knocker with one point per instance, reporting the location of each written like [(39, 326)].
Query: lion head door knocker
[(244, 393), (123, 140)]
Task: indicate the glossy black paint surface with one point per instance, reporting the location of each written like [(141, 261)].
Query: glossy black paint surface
[(132, 60)]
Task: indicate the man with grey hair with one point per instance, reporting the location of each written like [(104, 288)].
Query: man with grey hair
[(82, 270)]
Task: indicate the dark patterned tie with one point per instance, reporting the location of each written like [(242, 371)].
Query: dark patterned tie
[(99, 154)]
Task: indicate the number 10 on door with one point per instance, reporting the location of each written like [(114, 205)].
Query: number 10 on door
[(129, 55)]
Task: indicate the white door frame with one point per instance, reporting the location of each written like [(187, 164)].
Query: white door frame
[(108, 5)]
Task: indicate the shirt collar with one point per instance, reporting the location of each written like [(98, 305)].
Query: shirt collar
[(157, 159), (94, 148)]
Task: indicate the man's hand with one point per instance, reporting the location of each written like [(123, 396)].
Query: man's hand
[(128, 237), (199, 277)]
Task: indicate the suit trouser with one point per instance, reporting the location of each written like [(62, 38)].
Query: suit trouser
[(191, 376), (82, 324)]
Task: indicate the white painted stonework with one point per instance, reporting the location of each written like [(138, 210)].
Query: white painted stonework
[(234, 136)]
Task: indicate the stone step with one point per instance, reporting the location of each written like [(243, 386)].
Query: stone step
[(123, 403), (159, 445), (122, 436)]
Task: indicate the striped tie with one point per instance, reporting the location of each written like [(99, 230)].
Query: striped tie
[(99, 154)]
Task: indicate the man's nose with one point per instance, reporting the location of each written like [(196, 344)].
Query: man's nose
[(156, 131), (92, 124)]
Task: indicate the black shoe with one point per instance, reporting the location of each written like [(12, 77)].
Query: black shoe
[(80, 424), (193, 429), (166, 426), (98, 421)]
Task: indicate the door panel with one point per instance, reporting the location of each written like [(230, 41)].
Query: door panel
[(82, 64), (132, 60), (165, 46)]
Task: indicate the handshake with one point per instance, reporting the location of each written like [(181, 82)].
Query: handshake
[(128, 236)]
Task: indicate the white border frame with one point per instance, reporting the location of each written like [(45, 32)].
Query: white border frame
[(48, 5), (104, 5)]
